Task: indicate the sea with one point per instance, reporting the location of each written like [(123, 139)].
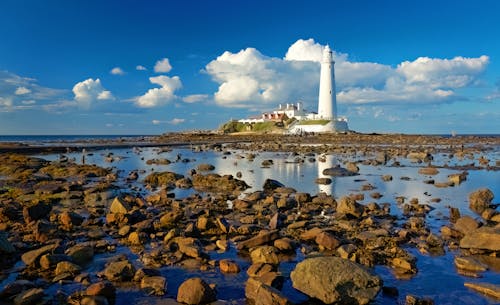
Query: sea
[(50, 139)]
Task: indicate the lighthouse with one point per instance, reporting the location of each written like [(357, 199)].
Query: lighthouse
[(327, 102)]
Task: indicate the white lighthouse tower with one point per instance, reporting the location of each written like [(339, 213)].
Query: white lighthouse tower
[(327, 102)]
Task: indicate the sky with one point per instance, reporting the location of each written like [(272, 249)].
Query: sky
[(150, 67)]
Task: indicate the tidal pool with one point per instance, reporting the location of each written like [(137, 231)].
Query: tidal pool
[(436, 277)]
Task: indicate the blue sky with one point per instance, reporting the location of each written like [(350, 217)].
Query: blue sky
[(148, 67)]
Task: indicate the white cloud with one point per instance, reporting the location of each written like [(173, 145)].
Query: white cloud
[(163, 66), (5, 102), (174, 121), (28, 102), (117, 71), (159, 96), (249, 79), (22, 90), (195, 98), (89, 91), (140, 68)]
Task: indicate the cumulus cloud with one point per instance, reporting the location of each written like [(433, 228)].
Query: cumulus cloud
[(6, 102), (248, 78), (89, 91), (22, 90), (195, 98), (159, 96), (163, 66), (117, 71), (140, 68)]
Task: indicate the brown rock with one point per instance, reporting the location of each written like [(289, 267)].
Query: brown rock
[(67, 267), (195, 291), (228, 266), (485, 288), (31, 257), (265, 254), (120, 271), (480, 200), (81, 253), (284, 244), (465, 224), (30, 296), (469, 264), (428, 171), (348, 206), (120, 206), (327, 241), (103, 288), (485, 238), (155, 285), (262, 294), (263, 237)]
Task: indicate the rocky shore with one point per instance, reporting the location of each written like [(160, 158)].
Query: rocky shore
[(72, 233)]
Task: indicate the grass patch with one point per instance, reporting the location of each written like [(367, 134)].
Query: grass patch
[(314, 122)]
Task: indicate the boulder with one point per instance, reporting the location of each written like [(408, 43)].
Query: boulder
[(352, 167), (70, 219), (349, 206), (263, 237), (195, 291), (485, 288), (430, 171), (31, 257), (270, 185), (323, 181), (163, 178), (327, 241), (261, 294), (103, 288), (465, 224), (81, 253), (228, 266), (36, 212), (154, 285), (486, 238), (338, 172), (120, 271), (480, 200), (469, 264), (119, 206), (204, 167), (67, 267), (265, 254), (335, 280)]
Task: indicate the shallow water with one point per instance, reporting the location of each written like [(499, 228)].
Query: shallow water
[(437, 277)]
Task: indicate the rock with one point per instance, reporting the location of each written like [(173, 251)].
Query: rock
[(284, 244), (431, 171), (163, 178), (267, 163), (270, 185), (120, 206), (265, 254), (170, 219), (261, 294), (485, 238), (190, 247), (103, 288), (217, 183), (387, 178), (228, 266), (222, 244), (338, 172), (327, 241), (120, 271), (70, 219), (469, 264), (223, 224), (36, 212), (419, 156), (195, 291), (137, 238), (456, 179), (485, 288), (323, 181), (413, 300), (49, 261), (465, 224), (5, 245), (259, 269), (263, 237), (352, 167), (31, 257), (275, 222), (349, 206), (30, 296), (154, 285), (205, 167), (335, 280), (94, 300), (67, 267), (480, 200), (81, 253)]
